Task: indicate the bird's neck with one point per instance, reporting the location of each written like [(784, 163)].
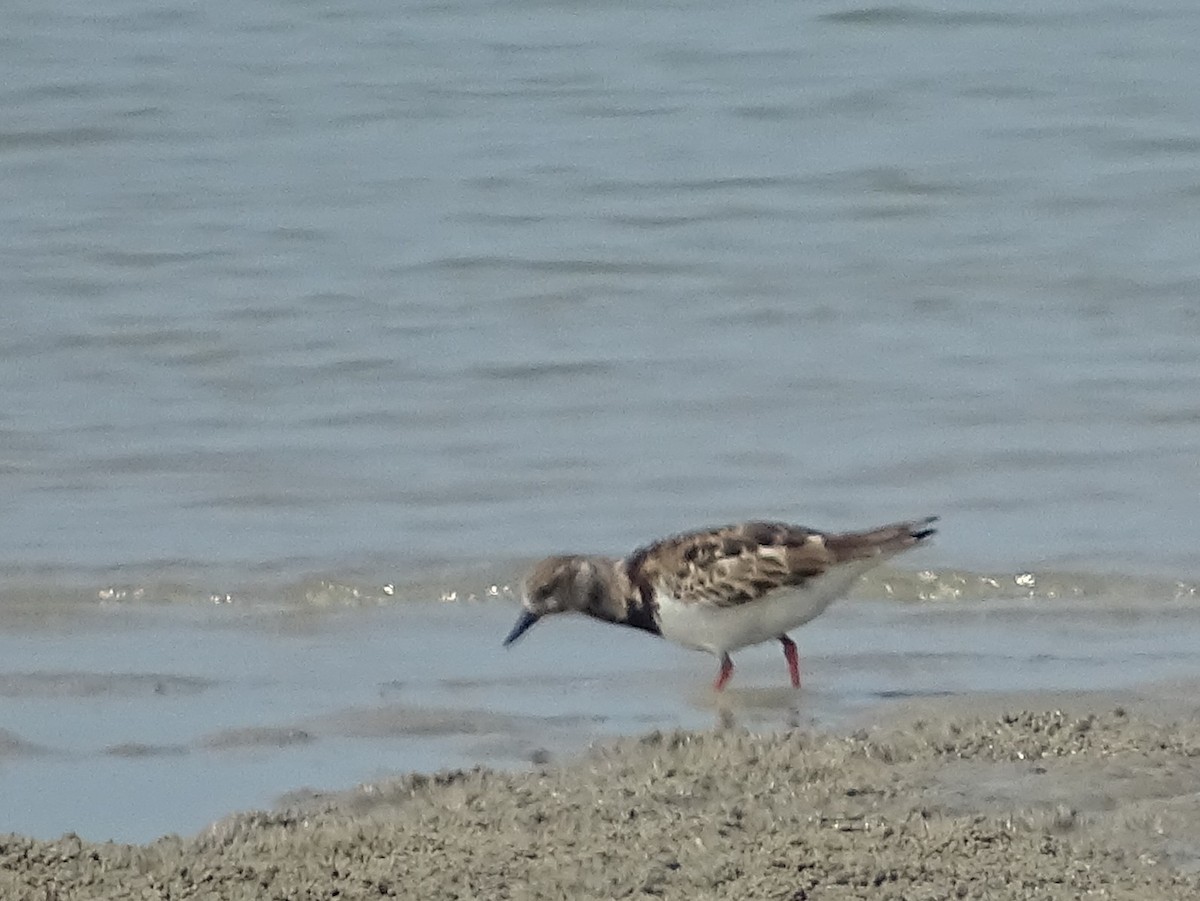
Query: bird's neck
[(615, 597)]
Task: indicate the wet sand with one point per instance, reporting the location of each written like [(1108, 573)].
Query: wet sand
[(1005, 797)]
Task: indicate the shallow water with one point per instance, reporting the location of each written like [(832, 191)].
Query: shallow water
[(314, 316), (132, 723), (294, 290)]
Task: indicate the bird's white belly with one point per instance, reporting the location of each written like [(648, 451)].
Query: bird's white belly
[(719, 630)]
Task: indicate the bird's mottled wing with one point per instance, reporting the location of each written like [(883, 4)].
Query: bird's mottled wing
[(730, 565)]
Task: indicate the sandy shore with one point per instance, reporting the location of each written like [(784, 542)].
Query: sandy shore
[(1002, 802)]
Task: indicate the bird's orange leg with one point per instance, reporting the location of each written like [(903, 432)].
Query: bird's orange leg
[(793, 659), (726, 672)]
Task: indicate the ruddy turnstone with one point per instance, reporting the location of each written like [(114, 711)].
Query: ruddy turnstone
[(717, 590)]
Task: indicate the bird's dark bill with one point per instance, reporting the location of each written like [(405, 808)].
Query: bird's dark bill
[(526, 620)]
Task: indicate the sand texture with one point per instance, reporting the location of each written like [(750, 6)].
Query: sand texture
[(997, 805)]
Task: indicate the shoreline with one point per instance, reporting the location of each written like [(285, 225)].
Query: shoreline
[(1023, 795)]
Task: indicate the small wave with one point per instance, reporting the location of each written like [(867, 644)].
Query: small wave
[(74, 136), (491, 584), (919, 16), (953, 586)]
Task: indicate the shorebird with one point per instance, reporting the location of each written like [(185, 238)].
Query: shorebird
[(717, 590)]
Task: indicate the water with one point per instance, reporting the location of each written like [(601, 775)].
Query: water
[(313, 308)]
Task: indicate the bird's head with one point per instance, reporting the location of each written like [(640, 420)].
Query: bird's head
[(557, 585)]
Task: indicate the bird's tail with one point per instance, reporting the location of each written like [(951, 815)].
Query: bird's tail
[(881, 542)]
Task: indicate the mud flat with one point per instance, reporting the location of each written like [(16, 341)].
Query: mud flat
[(1013, 798)]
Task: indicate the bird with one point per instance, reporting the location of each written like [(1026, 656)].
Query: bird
[(717, 589)]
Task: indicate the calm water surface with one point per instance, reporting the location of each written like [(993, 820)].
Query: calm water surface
[(310, 306)]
